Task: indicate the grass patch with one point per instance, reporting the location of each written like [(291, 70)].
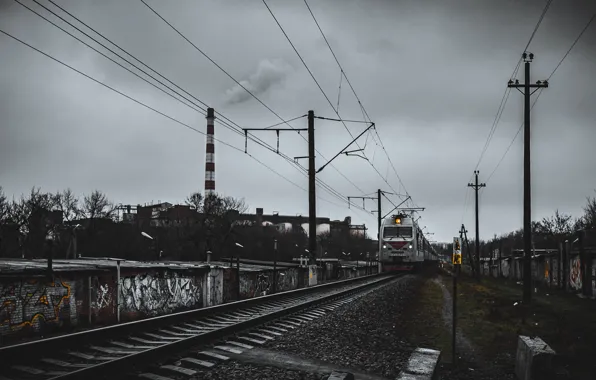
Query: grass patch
[(490, 320), (424, 325)]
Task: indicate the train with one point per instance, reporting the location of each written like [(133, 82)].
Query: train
[(403, 246)]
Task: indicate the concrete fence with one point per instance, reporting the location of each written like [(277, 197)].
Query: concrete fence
[(33, 304), (549, 270)]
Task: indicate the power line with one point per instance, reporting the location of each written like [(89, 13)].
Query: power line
[(540, 93), (239, 84), (572, 45), (237, 130), (153, 109), (508, 90), (226, 124)]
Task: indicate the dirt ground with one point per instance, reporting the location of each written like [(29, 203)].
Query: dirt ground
[(490, 317)]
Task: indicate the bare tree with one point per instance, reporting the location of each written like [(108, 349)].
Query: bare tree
[(557, 226), (4, 207), (590, 213), (195, 201), (68, 204), (234, 204), (33, 218), (97, 206)]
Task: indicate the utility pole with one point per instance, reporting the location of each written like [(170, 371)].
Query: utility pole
[(312, 173), (379, 216), (527, 190), (312, 198), (476, 186)]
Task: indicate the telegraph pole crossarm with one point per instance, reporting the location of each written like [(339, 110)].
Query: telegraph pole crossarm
[(527, 86), (277, 130), (378, 211)]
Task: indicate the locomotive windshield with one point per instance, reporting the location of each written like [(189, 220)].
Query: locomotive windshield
[(394, 232)]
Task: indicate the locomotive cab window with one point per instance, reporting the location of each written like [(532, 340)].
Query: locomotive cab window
[(394, 232)]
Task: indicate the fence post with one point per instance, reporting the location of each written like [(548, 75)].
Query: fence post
[(566, 250), (238, 276), (586, 270), (560, 267)]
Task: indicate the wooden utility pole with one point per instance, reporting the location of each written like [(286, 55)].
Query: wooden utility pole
[(527, 190), (476, 186)]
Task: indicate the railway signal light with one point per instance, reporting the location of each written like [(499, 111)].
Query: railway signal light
[(456, 257)]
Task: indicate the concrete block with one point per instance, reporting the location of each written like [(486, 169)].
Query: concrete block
[(534, 359), (422, 365), (340, 376)]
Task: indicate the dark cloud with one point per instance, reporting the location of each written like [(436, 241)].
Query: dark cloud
[(430, 75)]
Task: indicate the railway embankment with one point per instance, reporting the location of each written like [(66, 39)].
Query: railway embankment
[(491, 316)]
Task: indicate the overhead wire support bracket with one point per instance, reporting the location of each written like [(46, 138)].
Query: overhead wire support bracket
[(277, 130), (363, 200), (347, 146), (404, 209), (342, 120), (351, 153)]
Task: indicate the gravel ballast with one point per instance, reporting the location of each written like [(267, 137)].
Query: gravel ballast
[(363, 335)]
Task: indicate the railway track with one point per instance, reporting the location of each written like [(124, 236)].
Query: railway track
[(129, 347)]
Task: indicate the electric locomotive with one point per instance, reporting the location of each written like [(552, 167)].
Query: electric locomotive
[(402, 245)]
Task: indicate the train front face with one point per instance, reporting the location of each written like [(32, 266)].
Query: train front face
[(397, 245)]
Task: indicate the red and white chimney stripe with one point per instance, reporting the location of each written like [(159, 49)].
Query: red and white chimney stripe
[(210, 153)]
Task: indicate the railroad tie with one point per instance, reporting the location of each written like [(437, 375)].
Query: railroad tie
[(214, 355), (197, 362), (179, 370), (153, 376)]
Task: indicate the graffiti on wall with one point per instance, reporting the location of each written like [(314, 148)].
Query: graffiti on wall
[(575, 277), (263, 284), (103, 296), (28, 303), (287, 280), (255, 284), (216, 278), (152, 295)]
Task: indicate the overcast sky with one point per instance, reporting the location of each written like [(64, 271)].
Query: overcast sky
[(430, 74)]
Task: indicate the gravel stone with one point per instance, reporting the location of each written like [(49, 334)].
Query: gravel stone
[(363, 335), (238, 370)]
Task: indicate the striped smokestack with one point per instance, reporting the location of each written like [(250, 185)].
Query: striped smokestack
[(210, 154)]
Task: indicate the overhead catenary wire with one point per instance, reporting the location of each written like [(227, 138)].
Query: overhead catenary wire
[(364, 112), (239, 84), (226, 122), (153, 109), (323, 92)]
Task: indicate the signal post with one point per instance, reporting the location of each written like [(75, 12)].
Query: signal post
[(456, 261)]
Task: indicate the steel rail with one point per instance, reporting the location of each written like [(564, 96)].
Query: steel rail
[(15, 353)]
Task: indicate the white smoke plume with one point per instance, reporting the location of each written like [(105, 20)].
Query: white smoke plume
[(269, 73)]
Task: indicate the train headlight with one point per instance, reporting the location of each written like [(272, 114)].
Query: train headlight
[(384, 247), (410, 246)]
